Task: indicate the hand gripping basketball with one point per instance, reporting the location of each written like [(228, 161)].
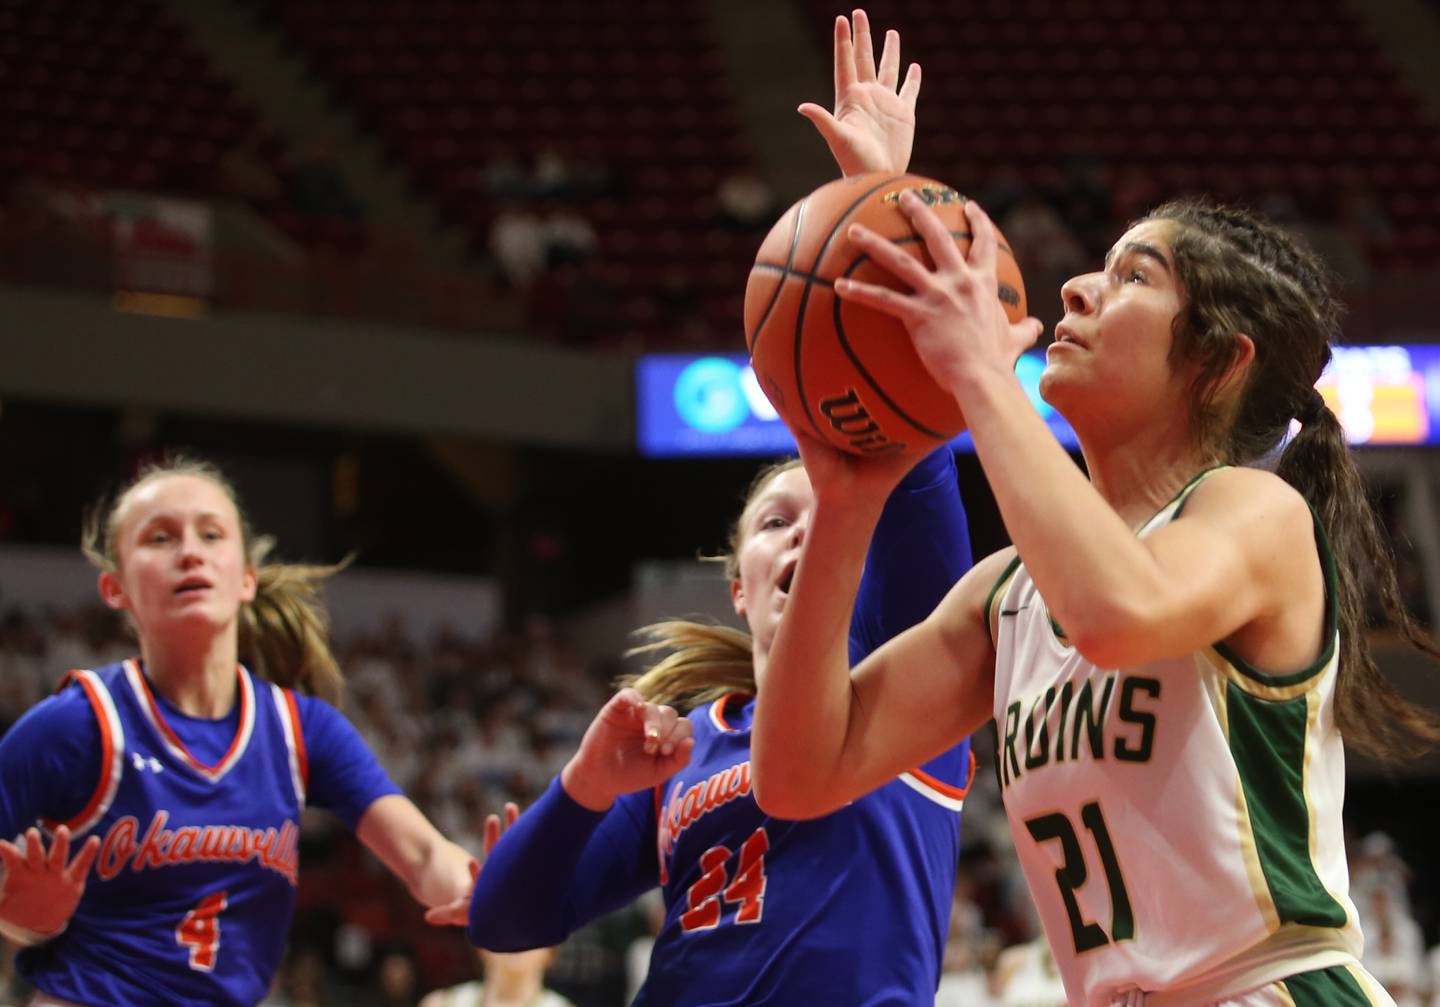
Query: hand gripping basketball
[(845, 370), (953, 316)]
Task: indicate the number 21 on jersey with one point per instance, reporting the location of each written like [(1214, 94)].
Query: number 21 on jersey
[(1072, 874), (747, 887)]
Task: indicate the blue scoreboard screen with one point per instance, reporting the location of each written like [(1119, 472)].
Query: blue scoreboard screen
[(689, 405)]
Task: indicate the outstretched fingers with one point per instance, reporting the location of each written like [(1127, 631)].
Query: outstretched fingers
[(59, 851), (864, 47), (496, 826), (844, 55), (34, 850), (889, 72), (80, 867), (910, 90), (12, 858)]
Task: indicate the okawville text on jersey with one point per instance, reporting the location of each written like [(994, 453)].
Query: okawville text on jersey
[(275, 849), (1107, 715)]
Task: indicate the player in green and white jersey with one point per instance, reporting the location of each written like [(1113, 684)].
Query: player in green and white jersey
[(1174, 648)]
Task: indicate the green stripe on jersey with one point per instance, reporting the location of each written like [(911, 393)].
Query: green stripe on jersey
[(1332, 624), (1333, 987), (1267, 740), (992, 598)]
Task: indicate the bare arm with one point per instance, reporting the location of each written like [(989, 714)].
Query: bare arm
[(435, 870), (823, 735), (1246, 545)]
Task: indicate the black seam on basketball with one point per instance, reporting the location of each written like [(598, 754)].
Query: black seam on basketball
[(849, 352), (1004, 288), (805, 294), (840, 222), (770, 267), (799, 375), (790, 261), (844, 342), (775, 267), (911, 239)]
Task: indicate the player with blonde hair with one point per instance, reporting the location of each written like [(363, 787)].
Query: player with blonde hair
[(852, 908), (185, 769)]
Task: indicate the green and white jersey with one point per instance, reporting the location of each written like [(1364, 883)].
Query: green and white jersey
[(1179, 821)]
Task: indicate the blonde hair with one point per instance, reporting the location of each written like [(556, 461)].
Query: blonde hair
[(706, 660), (284, 634)]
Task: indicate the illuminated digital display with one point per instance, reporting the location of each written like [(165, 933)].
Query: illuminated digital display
[(688, 405), (691, 405), (1385, 394)]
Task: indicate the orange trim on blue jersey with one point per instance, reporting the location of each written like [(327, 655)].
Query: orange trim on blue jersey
[(105, 788), (937, 785), (717, 710), (242, 732), (949, 790), (299, 736)]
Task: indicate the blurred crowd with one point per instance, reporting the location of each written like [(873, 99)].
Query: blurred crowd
[(556, 250), (466, 724)]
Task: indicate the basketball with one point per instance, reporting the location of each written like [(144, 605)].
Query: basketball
[(845, 372)]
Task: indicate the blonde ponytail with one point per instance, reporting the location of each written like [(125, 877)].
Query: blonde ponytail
[(285, 631), (706, 661)]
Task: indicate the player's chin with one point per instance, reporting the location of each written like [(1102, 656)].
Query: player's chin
[(1062, 380), (210, 614)]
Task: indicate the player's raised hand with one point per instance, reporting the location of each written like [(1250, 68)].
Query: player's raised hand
[(873, 125), (630, 745), (494, 829), (40, 890), (457, 912)]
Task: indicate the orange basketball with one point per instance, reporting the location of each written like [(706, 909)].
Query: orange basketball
[(848, 373)]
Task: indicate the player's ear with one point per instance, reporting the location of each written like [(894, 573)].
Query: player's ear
[(1244, 357), (737, 597), (112, 592)]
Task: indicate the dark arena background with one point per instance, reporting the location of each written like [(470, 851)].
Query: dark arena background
[(456, 286)]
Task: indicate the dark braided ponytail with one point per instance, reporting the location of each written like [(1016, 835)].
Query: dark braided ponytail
[(1244, 275)]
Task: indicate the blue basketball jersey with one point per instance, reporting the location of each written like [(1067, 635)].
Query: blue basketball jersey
[(863, 878), (190, 899), (851, 909)]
